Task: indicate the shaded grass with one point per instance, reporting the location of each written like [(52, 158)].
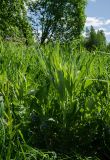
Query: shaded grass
[(55, 102)]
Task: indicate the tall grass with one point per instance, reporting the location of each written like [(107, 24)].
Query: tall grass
[(54, 102)]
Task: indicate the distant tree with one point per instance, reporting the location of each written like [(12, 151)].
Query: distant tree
[(13, 20), (101, 40), (91, 39), (95, 40), (62, 19)]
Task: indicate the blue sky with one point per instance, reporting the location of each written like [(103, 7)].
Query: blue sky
[(98, 15)]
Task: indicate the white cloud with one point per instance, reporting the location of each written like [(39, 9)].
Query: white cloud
[(107, 33), (107, 22), (102, 28), (93, 21), (97, 22)]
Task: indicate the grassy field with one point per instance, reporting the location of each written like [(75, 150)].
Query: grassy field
[(54, 103)]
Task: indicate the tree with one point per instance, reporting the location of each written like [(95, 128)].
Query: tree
[(62, 19), (95, 40), (13, 20), (101, 40), (91, 39)]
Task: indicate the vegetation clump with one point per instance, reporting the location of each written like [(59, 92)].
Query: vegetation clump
[(52, 103), (54, 93)]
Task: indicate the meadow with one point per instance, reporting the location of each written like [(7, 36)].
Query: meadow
[(54, 102)]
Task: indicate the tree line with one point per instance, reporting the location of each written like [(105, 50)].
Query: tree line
[(95, 40), (49, 20), (54, 19)]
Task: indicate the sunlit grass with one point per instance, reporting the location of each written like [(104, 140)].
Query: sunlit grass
[(54, 101)]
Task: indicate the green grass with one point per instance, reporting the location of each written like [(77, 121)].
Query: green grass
[(55, 102)]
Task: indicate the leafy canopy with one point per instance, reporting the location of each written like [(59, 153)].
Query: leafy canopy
[(13, 20), (58, 19)]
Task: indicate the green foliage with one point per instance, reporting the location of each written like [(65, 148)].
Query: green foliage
[(54, 102), (13, 21), (95, 40), (62, 19), (108, 47)]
